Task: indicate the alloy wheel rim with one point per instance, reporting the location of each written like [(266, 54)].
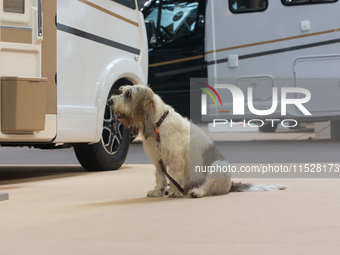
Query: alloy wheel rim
[(112, 135)]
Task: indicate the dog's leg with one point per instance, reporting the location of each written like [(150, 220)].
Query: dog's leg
[(161, 184), (216, 183), (176, 173), (174, 192), (211, 186)]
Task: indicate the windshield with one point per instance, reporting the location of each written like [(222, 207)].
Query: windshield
[(178, 17)]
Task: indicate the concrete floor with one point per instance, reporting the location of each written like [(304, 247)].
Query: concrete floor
[(70, 211)]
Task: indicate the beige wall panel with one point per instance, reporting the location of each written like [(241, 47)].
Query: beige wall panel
[(49, 53)]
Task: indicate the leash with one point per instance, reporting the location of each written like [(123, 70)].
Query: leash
[(158, 139)]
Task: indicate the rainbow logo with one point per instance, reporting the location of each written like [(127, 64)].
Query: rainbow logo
[(209, 93)]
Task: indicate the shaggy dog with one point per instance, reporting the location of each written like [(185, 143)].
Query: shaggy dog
[(182, 146)]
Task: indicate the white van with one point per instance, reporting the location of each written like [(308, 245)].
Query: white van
[(258, 44), (60, 60)]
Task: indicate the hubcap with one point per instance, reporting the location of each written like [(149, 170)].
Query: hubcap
[(112, 135)]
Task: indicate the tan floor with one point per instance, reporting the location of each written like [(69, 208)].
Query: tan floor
[(109, 213)]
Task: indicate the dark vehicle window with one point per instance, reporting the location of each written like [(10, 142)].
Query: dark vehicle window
[(14, 6), (128, 3), (242, 6), (178, 18), (297, 2)]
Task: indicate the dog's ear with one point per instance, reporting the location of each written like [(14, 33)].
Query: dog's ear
[(128, 94), (148, 119), (144, 110)]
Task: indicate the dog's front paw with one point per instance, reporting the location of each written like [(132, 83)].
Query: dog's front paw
[(155, 193), (196, 193), (176, 193)]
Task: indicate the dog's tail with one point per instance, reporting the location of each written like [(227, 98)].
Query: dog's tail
[(246, 187)]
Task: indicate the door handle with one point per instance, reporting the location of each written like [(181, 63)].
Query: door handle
[(40, 18)]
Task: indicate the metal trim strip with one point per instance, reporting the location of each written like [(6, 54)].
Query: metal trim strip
[(97, 39)]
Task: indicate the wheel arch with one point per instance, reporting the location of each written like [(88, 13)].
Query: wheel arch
[(116, 74)]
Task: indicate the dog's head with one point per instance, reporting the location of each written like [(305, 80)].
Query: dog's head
[(135, 107)]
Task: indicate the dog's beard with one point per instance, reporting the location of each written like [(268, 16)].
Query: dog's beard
[(119, 116), (136, 123), (125, 120)]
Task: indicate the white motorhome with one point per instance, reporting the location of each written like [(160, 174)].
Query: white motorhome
[(60, 60), (258, 44)]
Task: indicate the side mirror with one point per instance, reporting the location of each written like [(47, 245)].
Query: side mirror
[(151, 33)]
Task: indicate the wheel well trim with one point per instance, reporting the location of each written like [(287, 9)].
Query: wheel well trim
[(115, 71)]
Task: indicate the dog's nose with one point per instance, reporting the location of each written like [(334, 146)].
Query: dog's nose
[(110, 102)]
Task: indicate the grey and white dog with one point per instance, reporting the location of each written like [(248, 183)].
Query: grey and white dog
[(183, 146)]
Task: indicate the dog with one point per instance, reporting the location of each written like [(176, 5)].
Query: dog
[(182, 146)]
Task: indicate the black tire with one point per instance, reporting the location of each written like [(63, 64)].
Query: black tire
[(268, 127), (110, 152)]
